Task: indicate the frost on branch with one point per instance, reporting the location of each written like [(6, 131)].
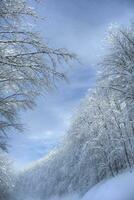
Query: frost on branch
[(28, 66)]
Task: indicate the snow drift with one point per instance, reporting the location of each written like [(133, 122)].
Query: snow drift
[(118, 188)]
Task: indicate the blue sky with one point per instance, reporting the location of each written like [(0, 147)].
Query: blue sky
[(80, 26)]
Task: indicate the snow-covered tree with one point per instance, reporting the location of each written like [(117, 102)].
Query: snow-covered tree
[(118, 67), (28, 66)]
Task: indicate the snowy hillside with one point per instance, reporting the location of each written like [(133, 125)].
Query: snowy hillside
[(96, 148), (118, 188)]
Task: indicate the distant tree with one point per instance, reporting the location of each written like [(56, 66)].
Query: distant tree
[(118, 67), (117, 77), (28, 66)]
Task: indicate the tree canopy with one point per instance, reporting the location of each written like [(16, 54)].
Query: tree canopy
[(28, 66)]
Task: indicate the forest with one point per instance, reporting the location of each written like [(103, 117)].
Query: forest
[(99, 144)]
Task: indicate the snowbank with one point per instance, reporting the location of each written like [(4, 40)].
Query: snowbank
[(118, 188)]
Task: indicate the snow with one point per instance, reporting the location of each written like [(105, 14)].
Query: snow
[(119, 188)]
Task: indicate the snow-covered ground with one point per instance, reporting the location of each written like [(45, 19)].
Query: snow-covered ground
[(118, 188)]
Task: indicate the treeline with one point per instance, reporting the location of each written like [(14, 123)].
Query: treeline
[(100, 141), (29, 67)]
